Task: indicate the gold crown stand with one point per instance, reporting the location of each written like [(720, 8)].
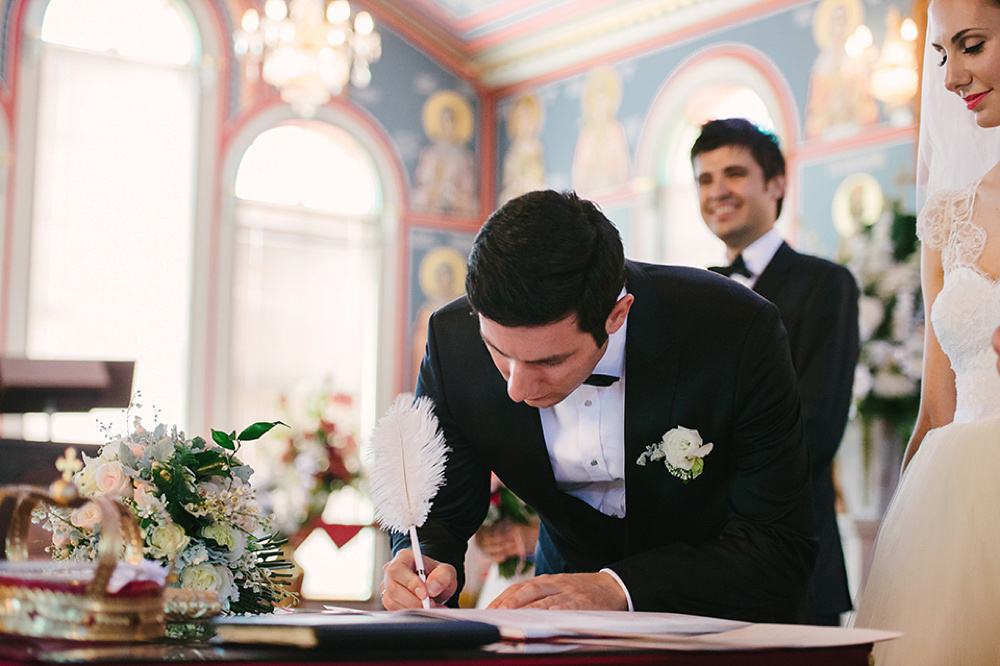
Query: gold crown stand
[(32, 605)]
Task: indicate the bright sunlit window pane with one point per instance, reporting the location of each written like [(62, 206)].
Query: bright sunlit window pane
[(744, 103), (157, 30), (111, 251), (294, 166)]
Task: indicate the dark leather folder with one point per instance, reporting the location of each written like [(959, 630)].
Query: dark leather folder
[(376, 629)]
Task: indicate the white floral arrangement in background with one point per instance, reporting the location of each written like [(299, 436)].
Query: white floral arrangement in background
[(682, 451), (195, 507), (884, 259)]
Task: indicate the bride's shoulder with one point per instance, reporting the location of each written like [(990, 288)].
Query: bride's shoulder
[(942, 212)]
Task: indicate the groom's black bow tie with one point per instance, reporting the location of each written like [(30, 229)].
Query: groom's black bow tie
[(600, 380), (738, 267)]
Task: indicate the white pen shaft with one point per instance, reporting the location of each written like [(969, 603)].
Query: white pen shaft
[(418, 560)]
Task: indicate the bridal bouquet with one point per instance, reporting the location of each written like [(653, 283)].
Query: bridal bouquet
[(505, 505), (196, 510)]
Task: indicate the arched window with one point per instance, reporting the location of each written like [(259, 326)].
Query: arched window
[(112, 212), (306, 275), (306, 266)]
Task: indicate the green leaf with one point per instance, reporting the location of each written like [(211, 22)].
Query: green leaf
[(696, 467), (255, 431), (209, 463), (224, 440), (512, 507), (508, 567), (512, 566)]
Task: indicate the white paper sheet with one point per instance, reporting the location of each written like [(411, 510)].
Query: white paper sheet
[(668, 631)]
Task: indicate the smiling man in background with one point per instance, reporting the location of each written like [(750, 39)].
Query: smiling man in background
[(740, 173)]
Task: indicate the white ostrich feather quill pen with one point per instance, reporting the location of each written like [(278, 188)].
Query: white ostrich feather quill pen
[(407, 468)]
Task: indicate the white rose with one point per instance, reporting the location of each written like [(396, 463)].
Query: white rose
[(111, 479), (204, 576), (109, 451), (86, 517), (84, 479), (683, 447), (167, 540), (228, 537), (681, 451), (210, 577)]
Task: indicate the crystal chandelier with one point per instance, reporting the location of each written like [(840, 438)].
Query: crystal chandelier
[(308, 54), (895, 80)]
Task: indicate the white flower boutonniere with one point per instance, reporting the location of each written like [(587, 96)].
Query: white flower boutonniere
[(681, 450)]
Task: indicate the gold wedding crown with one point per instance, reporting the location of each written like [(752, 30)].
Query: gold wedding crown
[(70, 599)]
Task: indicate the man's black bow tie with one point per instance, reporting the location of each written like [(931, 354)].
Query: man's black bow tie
[(738, 267), (600, 380)]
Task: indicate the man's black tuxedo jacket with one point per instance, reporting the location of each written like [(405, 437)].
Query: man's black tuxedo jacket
[(701, 352), (818, 302)]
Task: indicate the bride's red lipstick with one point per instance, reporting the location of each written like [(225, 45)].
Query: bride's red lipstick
[(972, 101)]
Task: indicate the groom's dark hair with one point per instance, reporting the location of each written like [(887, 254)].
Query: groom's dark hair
[(763, 145), (545, 256)]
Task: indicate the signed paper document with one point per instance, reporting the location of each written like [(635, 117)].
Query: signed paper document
[(668, 631), (534, 624)]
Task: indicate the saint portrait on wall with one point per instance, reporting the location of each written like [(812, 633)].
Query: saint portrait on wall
[(601, 159), (446, 168), (524, 161), (857, 204), (438, 277), (840, 99)]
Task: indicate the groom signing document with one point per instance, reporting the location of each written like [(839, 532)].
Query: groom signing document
[(650, 415)]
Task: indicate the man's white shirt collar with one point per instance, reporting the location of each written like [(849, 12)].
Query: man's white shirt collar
[(759, 253), (613, 361)]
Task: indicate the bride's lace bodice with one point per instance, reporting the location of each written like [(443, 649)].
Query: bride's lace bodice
[(967, 310)]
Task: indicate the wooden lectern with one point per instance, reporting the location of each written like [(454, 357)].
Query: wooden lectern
[(50, 386)]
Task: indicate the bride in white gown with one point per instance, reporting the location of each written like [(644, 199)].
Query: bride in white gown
[(936, 570)]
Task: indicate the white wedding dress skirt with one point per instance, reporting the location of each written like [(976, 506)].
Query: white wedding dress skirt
[(936, 572)]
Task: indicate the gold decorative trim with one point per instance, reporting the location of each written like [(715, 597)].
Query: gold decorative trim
[(34, 611), (188, 605)]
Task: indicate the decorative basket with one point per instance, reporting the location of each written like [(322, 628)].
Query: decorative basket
[(71, 599)]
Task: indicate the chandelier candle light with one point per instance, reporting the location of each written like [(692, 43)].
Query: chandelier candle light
[(407, 468), (308, 54)]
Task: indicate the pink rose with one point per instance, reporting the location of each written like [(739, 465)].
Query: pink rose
[(111, 479)]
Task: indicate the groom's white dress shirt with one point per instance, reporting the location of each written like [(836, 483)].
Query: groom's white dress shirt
[(585, 437)]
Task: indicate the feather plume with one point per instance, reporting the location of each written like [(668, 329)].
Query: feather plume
[(407, 467), (407, 463)]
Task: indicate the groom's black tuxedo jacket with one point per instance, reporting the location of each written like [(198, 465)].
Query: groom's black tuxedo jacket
[(701, 352), (818, 302)]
